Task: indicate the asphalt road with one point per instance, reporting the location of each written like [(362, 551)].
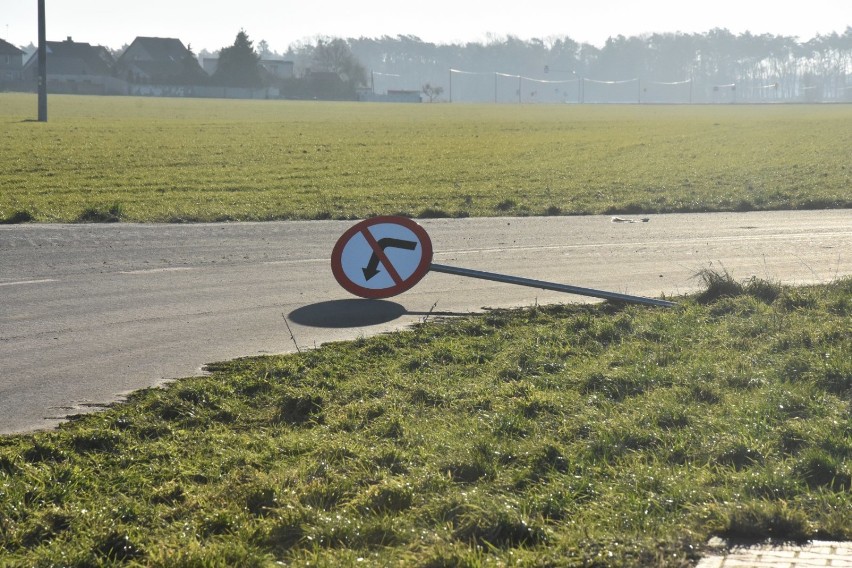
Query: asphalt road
[(89, 313)]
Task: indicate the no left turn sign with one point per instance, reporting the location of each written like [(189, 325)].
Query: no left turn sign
[(385, 256), (381, 257)]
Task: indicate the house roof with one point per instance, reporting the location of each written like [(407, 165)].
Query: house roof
[(154, 49), (7, 48), (75, 58), (155, 56)]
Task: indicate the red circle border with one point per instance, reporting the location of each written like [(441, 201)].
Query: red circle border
[(374, 293)]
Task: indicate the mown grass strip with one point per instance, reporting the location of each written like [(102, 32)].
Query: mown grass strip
[(568, 435), (157, 160)]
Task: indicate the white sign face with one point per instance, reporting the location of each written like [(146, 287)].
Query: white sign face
[(382, 257)]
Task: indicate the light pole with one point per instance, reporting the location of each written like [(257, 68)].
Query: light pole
[(42, 64)]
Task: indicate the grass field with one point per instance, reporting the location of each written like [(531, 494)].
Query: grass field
[(554, 436), (157, 160)]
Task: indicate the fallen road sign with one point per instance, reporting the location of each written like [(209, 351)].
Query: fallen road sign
[(385, 256), (381, 257)]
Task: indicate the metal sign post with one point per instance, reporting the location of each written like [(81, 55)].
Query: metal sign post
[(385, 256), (544, 285)]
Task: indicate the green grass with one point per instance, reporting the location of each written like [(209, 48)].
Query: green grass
[(573, 435), (157, 160)]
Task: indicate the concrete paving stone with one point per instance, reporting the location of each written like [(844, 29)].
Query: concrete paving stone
[(839, 548), (811, 555), (752, 563)]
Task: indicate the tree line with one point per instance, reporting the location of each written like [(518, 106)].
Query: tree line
[(716, 65), (781, 66), (329, 70)]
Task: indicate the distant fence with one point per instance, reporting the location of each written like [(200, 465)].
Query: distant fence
[(391, 97), (209, 92), (105, 85), (467, 86), (71, 84), (497, 87)]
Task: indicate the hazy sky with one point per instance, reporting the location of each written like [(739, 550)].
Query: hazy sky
[(213, 24)]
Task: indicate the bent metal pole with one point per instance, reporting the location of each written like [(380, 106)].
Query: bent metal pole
[(550, 286)]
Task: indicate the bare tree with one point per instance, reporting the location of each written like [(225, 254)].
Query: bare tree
[(431, 92), (336, 57)]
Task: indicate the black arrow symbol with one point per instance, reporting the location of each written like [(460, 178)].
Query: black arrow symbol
[(372, 267)]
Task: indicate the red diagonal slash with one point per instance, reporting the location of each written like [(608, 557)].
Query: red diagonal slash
[(380, 252)]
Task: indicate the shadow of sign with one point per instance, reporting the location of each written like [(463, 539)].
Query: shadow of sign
[(357, 313), (347, 313)]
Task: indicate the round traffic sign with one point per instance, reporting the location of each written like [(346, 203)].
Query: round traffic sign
[(381, 257)]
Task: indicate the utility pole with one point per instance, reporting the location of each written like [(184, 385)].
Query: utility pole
[(42, 64)]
